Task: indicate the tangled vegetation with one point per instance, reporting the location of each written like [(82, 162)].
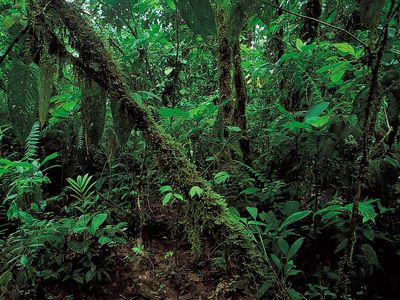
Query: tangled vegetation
[(199, 149)]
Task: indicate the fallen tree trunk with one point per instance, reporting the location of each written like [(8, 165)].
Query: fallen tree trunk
[(206, 218)]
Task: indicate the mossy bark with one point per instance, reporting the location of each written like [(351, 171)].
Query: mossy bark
[(206, 218), (224, 61), (231, 81), (241, 101)]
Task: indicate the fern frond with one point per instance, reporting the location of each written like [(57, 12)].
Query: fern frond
[(255, 173), (32, 142)]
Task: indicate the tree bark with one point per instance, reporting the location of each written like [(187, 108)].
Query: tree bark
[(313, 9), (225, 76), (241, 102)]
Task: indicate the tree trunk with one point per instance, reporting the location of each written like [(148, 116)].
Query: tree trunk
[(231, 78), (274, 47), (206, 219), (241, 102), (313, 9), (225, 115)]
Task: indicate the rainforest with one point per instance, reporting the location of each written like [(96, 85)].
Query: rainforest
[(200, 149)]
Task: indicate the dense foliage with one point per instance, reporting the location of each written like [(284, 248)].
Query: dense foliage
[(199, 149)]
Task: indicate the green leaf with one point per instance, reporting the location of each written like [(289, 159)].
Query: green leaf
[(276, 261), (294, 218), (318, 122), (263, 289), (337, 73), (50, 157), (345, 47), (370, 254), (295, 295), (296, 125), (97, 221), (253, 211), (89, 276), (77, 277), (168, 70), (283, 246), (105, 240), (341, 246), (367, 211), (221, 177), (166, 199), (250, 191), (299, 45), (165, 188), (233, 129), (294, 248), (5, 278), (287, 114), (172, 112), (196, 190), (258, 223), (171, 4), (316, 110), (23, 95), (198, 15), (178, 196), (24, 260)]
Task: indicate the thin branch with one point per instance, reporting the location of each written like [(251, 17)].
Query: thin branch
[(321, 22), (11, 46)]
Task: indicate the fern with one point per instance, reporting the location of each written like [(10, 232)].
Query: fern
[(32, 142), (255, 173)]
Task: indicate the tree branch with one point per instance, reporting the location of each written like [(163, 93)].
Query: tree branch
[(322, 23)]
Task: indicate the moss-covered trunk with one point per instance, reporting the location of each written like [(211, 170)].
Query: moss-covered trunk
[(231, 79), (207, 219), (224, 61), (241, 101)]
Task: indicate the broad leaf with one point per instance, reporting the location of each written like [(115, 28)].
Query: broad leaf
[(172, 112), (196, 190), (198, 15), (23, 84), (284, 246), (97, 221), (294, 218), (345, 47), (253, 211), (316, 110), (294, 248)]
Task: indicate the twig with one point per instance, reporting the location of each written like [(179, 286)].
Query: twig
[(321, 22), (19, 36)]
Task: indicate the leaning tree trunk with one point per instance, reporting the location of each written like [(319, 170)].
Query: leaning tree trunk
[(206, 218)]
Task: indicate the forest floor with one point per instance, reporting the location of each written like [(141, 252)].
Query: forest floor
[(163, 268)]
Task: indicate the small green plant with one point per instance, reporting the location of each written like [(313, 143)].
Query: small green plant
[(26, 177), (82, 191), (272, 238), (169, 254), (138, 249), (169, 195)]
